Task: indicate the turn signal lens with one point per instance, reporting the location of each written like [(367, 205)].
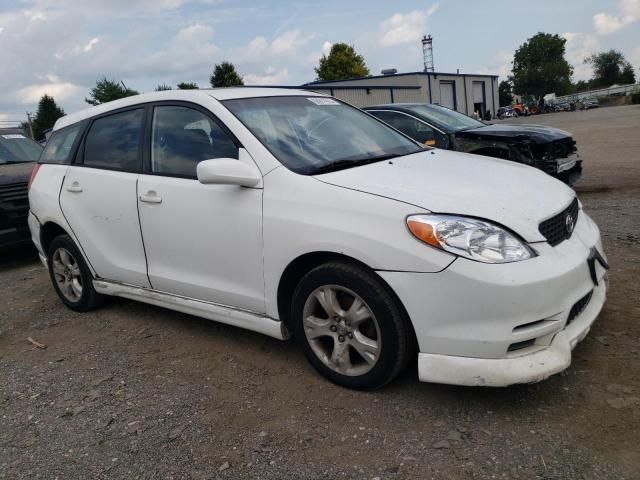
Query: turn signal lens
[(470, 238), (423, 231)]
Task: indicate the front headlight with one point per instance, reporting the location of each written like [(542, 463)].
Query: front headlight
[(469, 237)]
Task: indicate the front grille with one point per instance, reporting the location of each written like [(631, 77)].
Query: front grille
[(558, 228), (14, 204), (579, 307)]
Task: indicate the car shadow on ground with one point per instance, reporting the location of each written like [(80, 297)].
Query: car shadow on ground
[(17, 257), (275, 356)]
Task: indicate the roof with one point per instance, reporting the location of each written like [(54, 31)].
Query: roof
[(183, 95), (322, 82), (398, 105)]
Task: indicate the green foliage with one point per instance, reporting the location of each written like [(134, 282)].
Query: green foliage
[(583, 85), (162, 87), (610, 68), (46, 116), (107, 91), (225, 75), (187, 86), (342, 62), (628, 75), (504, 93), (539, 66)]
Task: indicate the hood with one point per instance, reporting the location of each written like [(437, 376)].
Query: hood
[(516, 131), (15, 172), (511, 194)]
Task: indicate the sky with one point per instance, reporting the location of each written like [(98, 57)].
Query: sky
[(61, 47)]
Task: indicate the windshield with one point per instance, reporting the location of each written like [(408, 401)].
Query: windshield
[(16, 148), (311, 135), (449, 120)]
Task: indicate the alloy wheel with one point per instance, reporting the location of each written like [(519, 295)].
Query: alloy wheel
[(342, 330), (66, 272)]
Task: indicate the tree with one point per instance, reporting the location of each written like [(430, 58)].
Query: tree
[(342, 62), (628, 75), (187, 86), (46, 116), (225, 75), (610, 68), (107, 91), (162, 87), (539, 66), (583, 85), (504, 93)]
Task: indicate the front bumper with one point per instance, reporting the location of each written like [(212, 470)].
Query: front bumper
[(481, 324), (529, 368), (14, 236)]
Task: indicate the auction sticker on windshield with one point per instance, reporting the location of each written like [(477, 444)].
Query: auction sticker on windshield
[(323, 101), (13, 135)]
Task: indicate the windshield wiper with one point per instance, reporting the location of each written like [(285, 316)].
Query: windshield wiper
[(346, 163)]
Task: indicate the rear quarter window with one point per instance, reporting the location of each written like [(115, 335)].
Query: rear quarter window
[(113, 141), (60, 147)]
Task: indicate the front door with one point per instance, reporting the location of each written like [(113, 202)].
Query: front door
[(202, 241), (98, 197)]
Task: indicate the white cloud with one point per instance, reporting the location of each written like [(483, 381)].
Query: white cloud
[(89, 46), (289, 42), (190, 50), (270, 77), (628, 13), (403, 28), (578, 47), (285, 44), (60, 91), (500, 65)]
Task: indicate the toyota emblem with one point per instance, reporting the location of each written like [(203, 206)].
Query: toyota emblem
[(568, 223)]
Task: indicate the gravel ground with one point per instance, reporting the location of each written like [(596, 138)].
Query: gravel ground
[(134, 391)]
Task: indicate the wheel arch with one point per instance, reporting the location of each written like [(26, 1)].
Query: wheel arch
[(48, 232), (303, 264)]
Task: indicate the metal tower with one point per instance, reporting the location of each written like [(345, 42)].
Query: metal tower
[(427, 53)]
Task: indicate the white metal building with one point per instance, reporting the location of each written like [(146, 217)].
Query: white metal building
[(466, 93)]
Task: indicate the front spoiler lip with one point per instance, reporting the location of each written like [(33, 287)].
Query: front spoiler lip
[(502, 372)]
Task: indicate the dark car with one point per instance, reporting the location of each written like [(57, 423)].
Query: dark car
[(17, 156), (549, 149)]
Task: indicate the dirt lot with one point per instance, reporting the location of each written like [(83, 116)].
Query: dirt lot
[(133, 391)]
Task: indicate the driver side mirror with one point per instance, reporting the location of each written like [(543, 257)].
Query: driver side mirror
[(228, 171)]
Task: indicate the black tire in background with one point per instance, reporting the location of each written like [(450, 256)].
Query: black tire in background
[(88, 299), (397, 343)]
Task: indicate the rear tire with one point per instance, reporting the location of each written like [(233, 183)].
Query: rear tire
[(350, 326), (70, 275)]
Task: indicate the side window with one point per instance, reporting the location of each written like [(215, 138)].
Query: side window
[(60, 144), (415, 129), (181, 137), (113, 142)]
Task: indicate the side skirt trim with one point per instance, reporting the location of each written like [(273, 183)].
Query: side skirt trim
[(211, 311)]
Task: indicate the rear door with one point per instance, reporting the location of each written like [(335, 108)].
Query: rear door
[(202, 241), (99, 196)]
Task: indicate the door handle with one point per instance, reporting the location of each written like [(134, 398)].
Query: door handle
[(74, 187), (151, 197)]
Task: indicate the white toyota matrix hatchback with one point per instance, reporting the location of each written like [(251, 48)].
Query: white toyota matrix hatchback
[(291, 213)]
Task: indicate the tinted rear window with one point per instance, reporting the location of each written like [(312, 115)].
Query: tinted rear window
[(59, 148), (113, 142)]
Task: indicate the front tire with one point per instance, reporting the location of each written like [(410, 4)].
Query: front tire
[(350, 326), (70, 275)]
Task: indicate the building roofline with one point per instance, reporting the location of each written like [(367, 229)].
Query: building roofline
[(321, 82)]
